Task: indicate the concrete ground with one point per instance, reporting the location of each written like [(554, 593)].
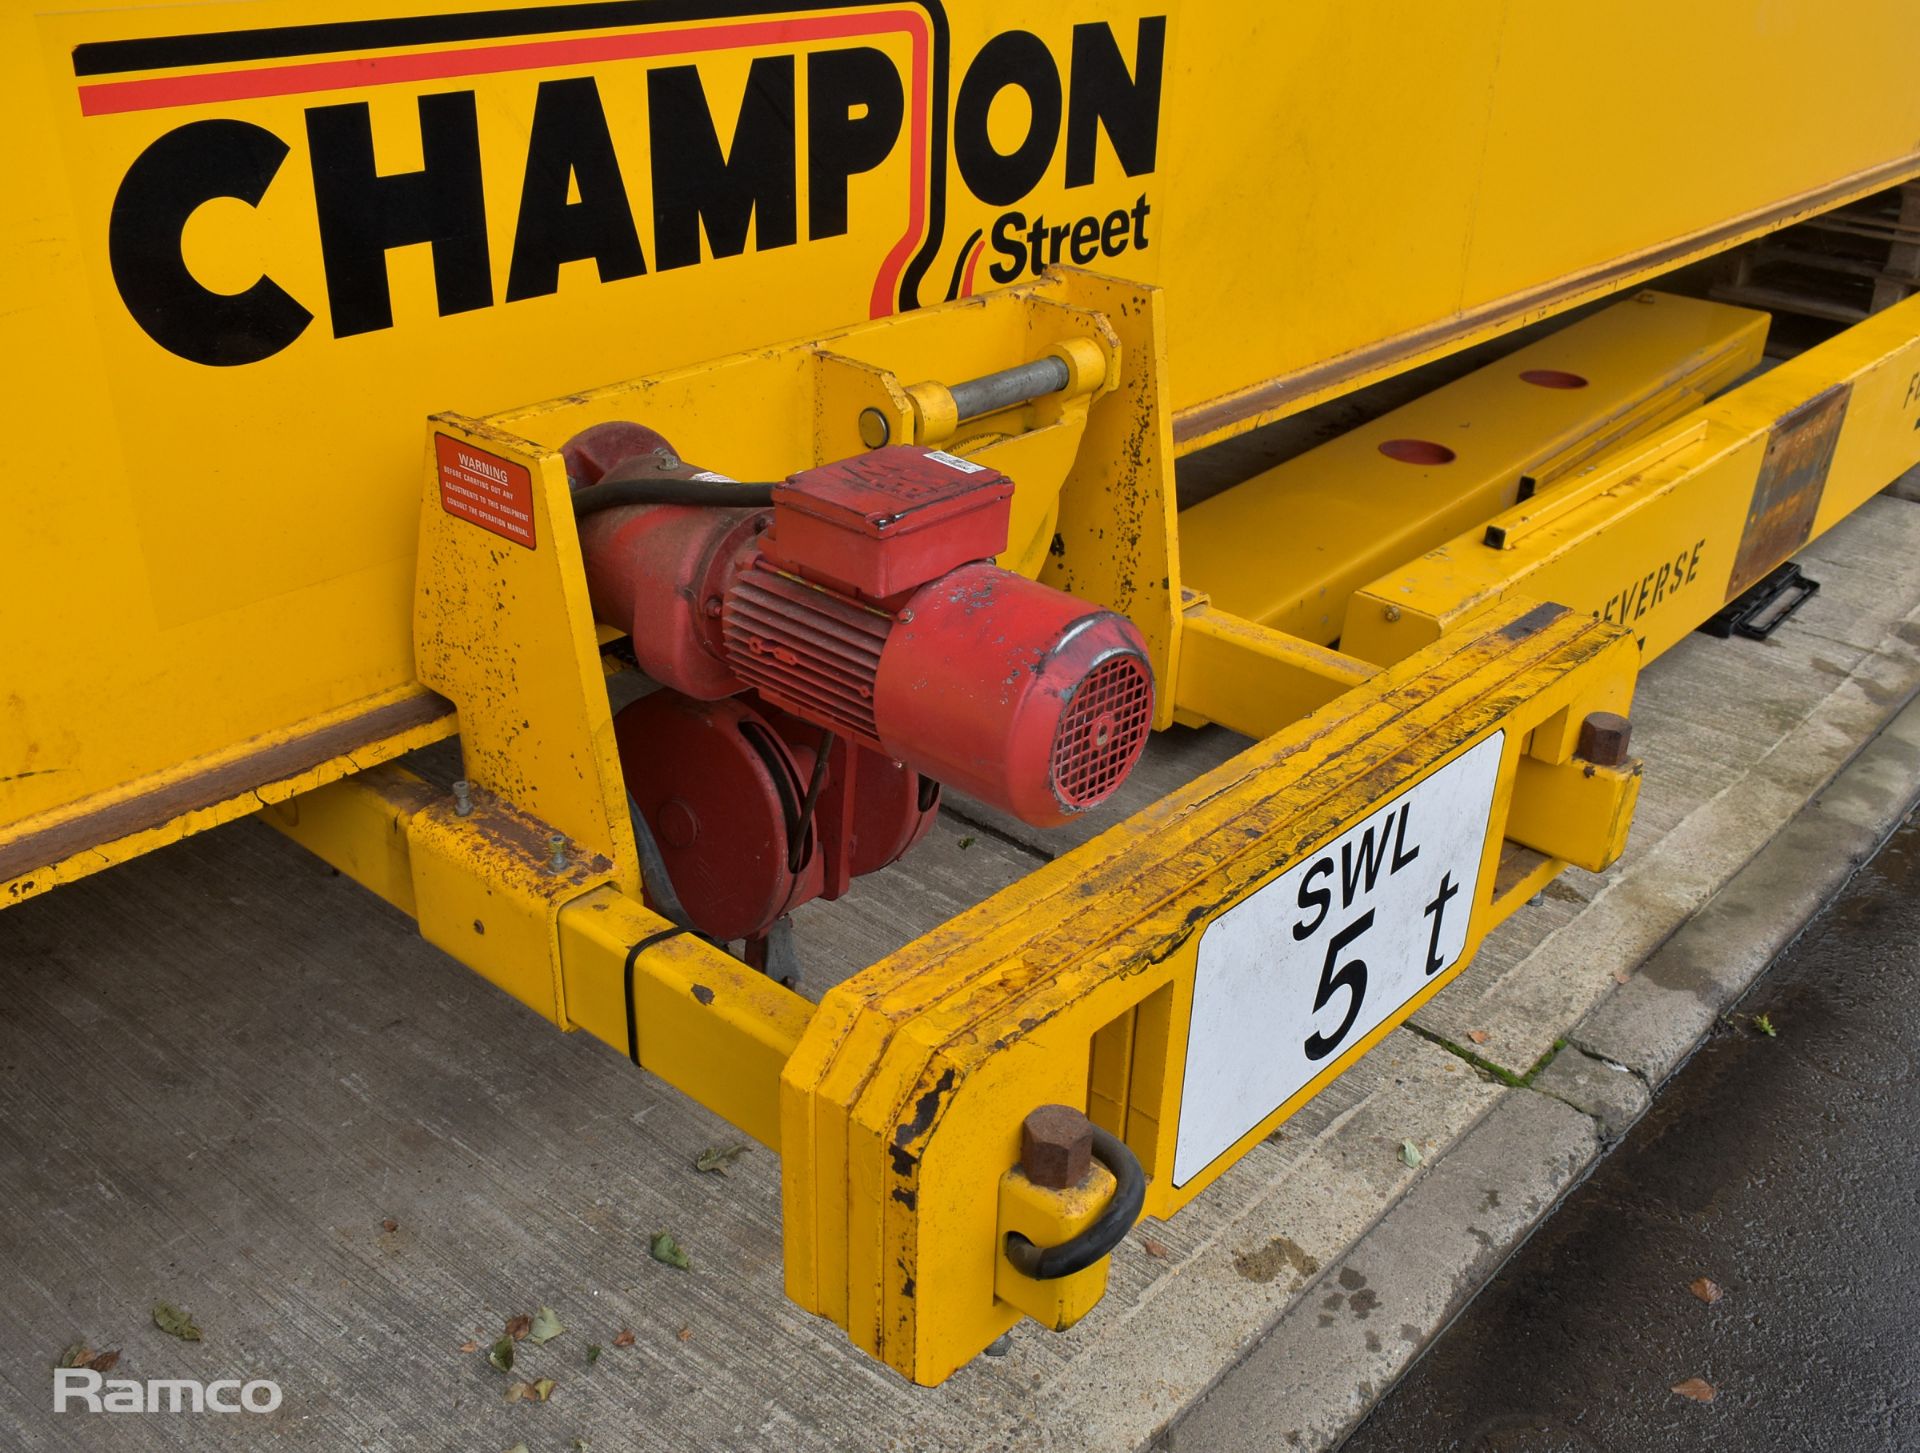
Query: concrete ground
[(234, 1082), (1778, 1167)]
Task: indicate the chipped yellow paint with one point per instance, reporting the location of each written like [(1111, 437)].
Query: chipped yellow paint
[(505, 631)]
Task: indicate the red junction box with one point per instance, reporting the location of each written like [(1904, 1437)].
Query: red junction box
[(888, 521)]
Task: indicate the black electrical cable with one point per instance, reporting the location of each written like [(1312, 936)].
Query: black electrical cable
[(633, 958), (613, 494), (796, 854), (653, 871), (1103, 1233)]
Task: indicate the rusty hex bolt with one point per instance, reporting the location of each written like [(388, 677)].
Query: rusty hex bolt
[(1604, 737), (1056, 1146)]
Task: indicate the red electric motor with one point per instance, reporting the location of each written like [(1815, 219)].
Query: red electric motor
[(833, 658)]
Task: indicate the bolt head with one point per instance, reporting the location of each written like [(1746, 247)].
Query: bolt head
[(1605, 737), (678, 826), (1056, 1147), (874, 428)]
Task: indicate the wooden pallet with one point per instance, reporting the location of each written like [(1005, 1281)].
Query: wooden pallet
[(1836, 268)]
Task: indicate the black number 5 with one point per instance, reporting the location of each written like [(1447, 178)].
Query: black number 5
[(1351, 976)]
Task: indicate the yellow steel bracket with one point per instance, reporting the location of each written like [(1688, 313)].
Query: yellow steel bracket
[(1092, 463), (901, 1108), (1046, 1218), (897, 1104), (503, 628)]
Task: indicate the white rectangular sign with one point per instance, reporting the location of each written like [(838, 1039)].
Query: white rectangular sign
[(1305, 966)]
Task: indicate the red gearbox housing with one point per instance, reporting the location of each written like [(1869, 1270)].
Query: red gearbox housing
[(859, 617)]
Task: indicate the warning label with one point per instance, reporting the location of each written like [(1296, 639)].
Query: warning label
[(494, 493)]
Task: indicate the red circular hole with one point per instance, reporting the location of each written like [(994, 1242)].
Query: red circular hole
[(1417, 451), (1552, 378)]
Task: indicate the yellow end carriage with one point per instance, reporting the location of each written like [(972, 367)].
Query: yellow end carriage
[(280, 280)]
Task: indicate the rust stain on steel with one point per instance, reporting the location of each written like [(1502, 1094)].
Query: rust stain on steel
[(207, 789), (1534, 621), (509, 838), (1793, 476)]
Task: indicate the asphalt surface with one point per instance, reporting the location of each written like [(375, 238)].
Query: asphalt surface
[(1784, 1169)]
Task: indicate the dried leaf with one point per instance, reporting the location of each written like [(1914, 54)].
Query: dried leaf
[(1707, 1290), (545, 1327), (663, 1248), (593, 1353), (389, 1225), (174, 1322), (75, 1355), (1153, 1248), (469, 1346), (518, 1327), (1696, 1389), (625, 1339), (543, 1388), (518, 1392), (685, 1334), (719, 1157), (1410, 1154), (105, 1362), (501, 1354), (1478, 1036)]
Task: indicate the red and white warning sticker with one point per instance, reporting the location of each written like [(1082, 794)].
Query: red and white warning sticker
[(494, 493)]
